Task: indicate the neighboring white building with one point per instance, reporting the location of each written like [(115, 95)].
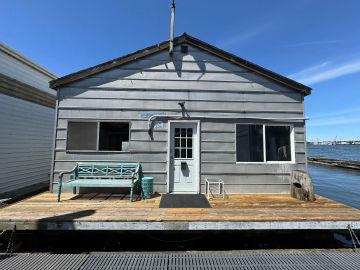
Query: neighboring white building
[(27, 114)]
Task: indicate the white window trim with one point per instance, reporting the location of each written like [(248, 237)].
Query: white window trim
[(97, 135), (292, 145)]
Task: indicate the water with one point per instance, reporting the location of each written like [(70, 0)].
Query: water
[(346, 152), (342, 185)]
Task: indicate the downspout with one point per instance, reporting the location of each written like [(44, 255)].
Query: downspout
[(51, 188)]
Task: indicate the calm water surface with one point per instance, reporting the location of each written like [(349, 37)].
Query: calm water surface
[(342, 185)]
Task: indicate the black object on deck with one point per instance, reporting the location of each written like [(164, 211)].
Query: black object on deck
[(184, 201)]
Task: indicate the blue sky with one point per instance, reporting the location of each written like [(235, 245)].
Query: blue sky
[(315, 42)]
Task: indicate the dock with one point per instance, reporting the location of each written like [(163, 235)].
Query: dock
[(105, 211), (186, 260), (348, 164)]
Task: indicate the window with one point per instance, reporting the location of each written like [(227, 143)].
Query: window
[(183, 142), (278, 143), (249, 139), (263, 143), (82, 136), (101, 136), (112, 135)]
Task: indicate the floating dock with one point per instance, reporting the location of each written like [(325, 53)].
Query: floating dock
[(349, 164), (236, 212), (186, 260)]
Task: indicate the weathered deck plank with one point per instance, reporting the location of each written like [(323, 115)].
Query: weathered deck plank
[(116, 209)]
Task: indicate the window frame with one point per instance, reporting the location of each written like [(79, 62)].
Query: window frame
[(292, 144), (97, 135)]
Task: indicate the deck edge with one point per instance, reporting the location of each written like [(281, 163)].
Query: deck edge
[(179, 226)]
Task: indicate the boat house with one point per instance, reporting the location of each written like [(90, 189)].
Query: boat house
[(195, 112), (187, 114)]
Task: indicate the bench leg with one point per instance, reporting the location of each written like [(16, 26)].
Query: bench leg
[(59, 191), (131, 194), (74, 190)]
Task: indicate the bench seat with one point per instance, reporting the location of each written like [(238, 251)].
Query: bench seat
[(98, 183), (101, 174)]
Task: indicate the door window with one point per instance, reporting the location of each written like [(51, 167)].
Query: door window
[(183, 142)]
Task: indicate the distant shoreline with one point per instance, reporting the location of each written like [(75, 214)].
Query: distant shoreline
[(335, 143)]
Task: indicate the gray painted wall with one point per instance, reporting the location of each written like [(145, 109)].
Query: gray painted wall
[(211, 87)]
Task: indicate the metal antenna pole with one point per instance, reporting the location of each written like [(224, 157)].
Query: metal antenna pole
[(171, 45)]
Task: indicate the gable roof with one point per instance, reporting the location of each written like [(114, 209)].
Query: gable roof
[(184, 38)]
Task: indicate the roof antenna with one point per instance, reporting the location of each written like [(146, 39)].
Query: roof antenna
[(171, 45)]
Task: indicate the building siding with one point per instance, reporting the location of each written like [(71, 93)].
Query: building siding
[(27, 124), (211, 87), (25, 144), (15, 69)]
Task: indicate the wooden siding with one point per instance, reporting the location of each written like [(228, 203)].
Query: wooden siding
[(211, 87), (25, 143)]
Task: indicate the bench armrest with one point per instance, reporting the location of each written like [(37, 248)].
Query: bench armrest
[(135, 173), (66, 172)]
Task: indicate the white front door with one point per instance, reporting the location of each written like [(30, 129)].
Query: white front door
[(184, 154)]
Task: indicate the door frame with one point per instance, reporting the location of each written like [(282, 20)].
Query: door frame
[(197, 155)]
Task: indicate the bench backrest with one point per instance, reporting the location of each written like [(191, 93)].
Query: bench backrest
[(105, 170)]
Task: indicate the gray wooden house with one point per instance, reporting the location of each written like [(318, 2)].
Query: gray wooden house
[(197, 112), (27, 116)]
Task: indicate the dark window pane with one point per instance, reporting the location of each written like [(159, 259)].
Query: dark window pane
[(189, 132), (177, 153), (249, 143), (177, 132), (183, 142), (278, 143), (177, 142), (183, 132), (183, 153), (189, 143), (189, 153), (112, 135), (81, 136)]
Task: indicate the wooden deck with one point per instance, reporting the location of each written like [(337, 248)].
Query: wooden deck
[(116, 212)]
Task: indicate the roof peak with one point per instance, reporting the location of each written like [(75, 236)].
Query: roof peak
[(185, 37)]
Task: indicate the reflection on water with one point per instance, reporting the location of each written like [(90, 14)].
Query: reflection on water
[(339, 184)]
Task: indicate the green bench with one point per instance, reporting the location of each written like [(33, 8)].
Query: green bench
[(101, 174)]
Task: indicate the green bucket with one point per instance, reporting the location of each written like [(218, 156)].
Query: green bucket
[(147, 186)]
